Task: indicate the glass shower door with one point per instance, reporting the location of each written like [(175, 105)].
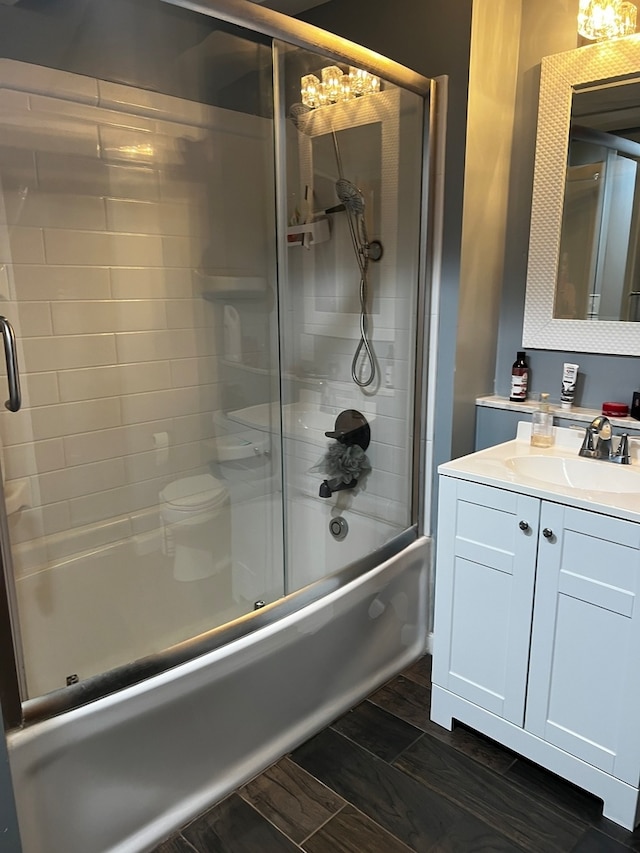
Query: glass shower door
[(137, 266), (353, 180)]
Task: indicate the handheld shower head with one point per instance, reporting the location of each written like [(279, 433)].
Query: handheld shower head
[(350, 196)]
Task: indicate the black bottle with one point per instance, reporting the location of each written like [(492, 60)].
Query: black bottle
[(519, 379)]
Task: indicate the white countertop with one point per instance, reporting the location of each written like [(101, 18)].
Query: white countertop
[(495, 467)]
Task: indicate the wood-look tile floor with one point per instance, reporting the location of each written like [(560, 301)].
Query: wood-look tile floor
[(385, 779)]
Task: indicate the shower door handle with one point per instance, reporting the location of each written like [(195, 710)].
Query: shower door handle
[(13, 376)]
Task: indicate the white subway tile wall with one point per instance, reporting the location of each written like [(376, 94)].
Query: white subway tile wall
[(119, 208), (110, 198)]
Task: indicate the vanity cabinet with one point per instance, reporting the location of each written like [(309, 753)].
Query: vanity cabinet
[(537, 634)]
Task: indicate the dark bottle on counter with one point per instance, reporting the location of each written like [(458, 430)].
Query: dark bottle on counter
[(519, 379)]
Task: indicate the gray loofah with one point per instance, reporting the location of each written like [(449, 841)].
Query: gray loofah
[(343, 462)]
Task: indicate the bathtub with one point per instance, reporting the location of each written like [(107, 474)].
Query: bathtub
[(122, 772)]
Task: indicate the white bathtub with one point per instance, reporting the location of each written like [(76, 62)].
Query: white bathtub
[(123, 772)]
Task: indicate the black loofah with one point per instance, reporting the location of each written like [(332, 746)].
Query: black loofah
[(343, 462)]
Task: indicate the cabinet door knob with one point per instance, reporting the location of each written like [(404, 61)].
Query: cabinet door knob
[(547, 533), (523, 525)]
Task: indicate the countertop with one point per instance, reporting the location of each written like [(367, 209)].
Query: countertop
[(493, 467), (575, 413)]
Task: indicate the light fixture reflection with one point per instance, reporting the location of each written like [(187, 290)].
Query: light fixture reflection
[(628, 19), (605, 19), (336, 85)]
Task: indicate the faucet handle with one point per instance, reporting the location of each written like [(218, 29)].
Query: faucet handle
[(622, 453)]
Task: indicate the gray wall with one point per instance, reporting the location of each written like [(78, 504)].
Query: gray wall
[(548, 26)]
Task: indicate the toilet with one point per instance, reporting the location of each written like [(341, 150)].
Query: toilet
[(196, 519), (196, 510)]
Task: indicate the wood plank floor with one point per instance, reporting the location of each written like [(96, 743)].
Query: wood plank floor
[(385, 779)]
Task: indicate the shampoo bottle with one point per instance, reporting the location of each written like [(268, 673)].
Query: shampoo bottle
[(519, 379), (542, 424)]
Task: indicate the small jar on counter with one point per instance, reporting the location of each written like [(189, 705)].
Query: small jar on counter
[(542, 424)]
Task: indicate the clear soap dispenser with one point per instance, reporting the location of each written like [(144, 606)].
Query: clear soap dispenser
[(542, 424)]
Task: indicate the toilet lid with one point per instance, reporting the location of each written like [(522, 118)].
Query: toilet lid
[(194, 491)]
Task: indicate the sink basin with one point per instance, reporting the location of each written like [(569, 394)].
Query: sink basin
[(577, 473)]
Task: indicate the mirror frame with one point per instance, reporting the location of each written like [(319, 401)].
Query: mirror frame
[(561, 74)]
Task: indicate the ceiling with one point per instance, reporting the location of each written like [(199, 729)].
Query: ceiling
[(290, 7)]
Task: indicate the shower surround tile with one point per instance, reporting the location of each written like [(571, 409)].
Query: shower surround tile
[(20, 245), (150, 346), (109, 443), (152, 218), (113, 381), (94, 317), (73, 351), (41, 210), (69, 247), (152, 283), (33, 282)]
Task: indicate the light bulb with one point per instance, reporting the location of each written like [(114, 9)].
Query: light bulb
[(332, 83), (628, 18), (357, 78), (310, 90), (345, 88), (599, 19)]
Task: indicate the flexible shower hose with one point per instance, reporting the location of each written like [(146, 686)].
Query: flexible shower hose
[(363, 263)]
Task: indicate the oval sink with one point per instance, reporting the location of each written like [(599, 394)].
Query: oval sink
[(577, 473)]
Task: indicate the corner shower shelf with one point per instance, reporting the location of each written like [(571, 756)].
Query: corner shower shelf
[(319, 233), (216, 287)]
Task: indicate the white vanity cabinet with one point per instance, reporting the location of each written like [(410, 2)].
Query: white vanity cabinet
[(537, 634)]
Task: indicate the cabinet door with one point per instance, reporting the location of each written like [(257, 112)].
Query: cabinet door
[(484, 594), (585, 648)]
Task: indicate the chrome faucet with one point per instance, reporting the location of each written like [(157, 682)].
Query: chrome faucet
[(597, 443)]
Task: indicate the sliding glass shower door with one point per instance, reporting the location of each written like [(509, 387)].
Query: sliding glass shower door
[(137, 267)]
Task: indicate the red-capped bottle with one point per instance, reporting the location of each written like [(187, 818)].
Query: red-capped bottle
[(519, 379)]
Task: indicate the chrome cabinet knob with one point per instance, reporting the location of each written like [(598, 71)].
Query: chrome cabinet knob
[(523, 525), (547, 533)]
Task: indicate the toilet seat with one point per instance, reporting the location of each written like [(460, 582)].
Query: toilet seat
[(194, 494)]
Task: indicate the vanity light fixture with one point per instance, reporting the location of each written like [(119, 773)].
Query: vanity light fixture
[(337, 85), (606, 19)]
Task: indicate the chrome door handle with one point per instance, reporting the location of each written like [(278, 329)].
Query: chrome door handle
[(13, 375)]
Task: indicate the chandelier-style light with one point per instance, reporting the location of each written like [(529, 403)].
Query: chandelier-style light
[(606, 19), (336, 86)]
